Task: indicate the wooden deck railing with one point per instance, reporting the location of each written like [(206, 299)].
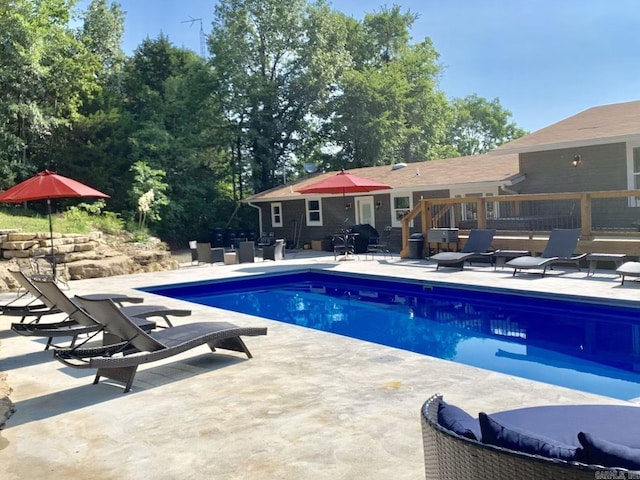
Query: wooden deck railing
[(609, 221)]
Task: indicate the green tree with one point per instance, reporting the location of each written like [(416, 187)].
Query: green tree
[(96, 147), (45, 74), (177, 127), (387, 106), (274, 62), (101, 34), (480, 125)]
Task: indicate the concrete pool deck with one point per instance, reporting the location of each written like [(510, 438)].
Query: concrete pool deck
[(309, 405)]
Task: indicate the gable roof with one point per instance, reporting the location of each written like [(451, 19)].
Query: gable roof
[(597, 125), (428, 175)]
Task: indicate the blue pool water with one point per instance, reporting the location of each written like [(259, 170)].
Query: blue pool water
[(577, 343)]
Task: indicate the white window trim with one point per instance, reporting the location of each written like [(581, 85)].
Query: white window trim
[(394, 221), (313, 223), (633, 201), (474, 191), (275, 223)]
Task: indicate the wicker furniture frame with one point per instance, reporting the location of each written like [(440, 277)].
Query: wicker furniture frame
[(78, 321), (120, 361), (448, 456), (27, 304)]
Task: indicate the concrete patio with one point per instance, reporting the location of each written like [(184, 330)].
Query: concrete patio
[(309, 405)]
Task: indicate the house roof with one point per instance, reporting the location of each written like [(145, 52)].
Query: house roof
[(428, 175), (597, 125)]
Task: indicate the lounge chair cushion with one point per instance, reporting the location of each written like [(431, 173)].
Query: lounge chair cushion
[(504, 436), (458, 421), (598, 451)]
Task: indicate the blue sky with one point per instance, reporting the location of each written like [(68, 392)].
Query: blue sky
[(544, 59)]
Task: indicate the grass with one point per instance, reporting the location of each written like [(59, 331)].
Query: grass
[(74, 220), (26, 223)]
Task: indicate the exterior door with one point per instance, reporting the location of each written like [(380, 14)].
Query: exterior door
[(365, 211)]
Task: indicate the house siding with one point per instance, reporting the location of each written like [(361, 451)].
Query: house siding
[(334, 215), (602, 168)]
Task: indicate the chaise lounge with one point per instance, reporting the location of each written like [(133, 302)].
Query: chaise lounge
[(477, 245), (559, 249), (549, 442), (78, 321), (120, 361), (27, 304)]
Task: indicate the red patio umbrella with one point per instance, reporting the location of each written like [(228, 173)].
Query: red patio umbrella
[(46, 185), (344, 182)]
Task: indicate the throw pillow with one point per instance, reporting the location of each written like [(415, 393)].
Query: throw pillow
[(494, 433), (598, 451), (458, 421)]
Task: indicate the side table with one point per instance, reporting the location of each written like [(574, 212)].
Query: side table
[(230, 258), (593, 258)]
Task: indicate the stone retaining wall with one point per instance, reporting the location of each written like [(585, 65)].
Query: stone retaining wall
[(16, 244), (79, 256)]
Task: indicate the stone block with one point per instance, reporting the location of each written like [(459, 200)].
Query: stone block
[(20, 236), (47, 235), (19, 245), (64, 248), (40, 251), (84, 247), (119, 265), (8, 254), (81, 239), (46, 242)]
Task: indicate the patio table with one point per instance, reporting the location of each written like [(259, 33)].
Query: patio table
[(593, 258)]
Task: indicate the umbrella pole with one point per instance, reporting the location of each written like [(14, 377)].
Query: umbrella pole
[(53, 256), (344, 205)]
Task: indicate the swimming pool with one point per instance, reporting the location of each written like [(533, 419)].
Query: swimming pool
[(574, 342)]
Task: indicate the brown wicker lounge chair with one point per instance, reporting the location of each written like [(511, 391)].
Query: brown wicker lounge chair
[(78, 321), (120, 362), (27, 304)]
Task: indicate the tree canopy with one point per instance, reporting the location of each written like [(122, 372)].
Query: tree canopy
[(286, 83)]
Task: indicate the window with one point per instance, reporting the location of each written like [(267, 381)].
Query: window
[(470, 209), (636, 167), (314, 213), (276, 214), (633, 172), (492, 207), (400, 207)]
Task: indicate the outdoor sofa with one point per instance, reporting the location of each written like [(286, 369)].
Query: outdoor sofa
[(550, 442)]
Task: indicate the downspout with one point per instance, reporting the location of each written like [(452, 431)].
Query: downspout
[(259, 216)]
